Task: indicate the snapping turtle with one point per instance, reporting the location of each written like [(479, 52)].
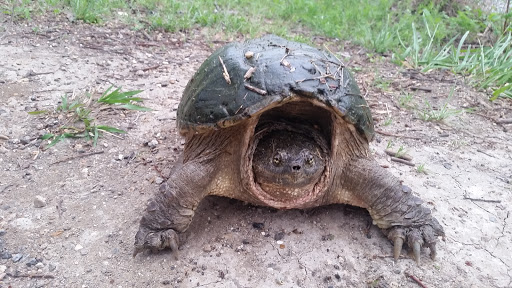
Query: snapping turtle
[(278, 123)]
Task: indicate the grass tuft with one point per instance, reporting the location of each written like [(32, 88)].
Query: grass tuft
[(78, 118)]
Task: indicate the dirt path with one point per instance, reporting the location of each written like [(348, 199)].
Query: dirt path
[(83, 235)]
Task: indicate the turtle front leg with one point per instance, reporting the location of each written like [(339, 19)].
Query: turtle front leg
[(171, 210), (392, 207)]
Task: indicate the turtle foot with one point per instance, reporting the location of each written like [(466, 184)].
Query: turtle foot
[(416, 237), (147, 239)]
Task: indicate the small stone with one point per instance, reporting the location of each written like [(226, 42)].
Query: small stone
[(3, 268), (5, 255), (31, 262), (78, 247), (249, 54), (152, 143), (139, 73), (159, 180), (2, 232), (2, 276), (39, 265), (166, 282), (328, 237), (3, 150), (39, 201), (279, 242), (279, 236), (258, 225), (51, 267), (207, 248), (17, 257)]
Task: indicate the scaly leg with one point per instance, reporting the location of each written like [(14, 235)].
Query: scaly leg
[(392, 206), (171, 210)]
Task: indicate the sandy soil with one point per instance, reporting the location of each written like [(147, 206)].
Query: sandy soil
[(83, 235)]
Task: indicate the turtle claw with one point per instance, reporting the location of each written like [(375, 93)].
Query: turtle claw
[(397, 247), (147, 239), (433, 251), (416, 249), (416, 237)]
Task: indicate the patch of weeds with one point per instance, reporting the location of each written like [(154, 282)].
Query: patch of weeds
[(388, 121), (93, 11), (17, 9), (390, 144), (124, 98), (431, 114), (400, 152), (382, 83), (405, 100), (421, 168), (79, 116)]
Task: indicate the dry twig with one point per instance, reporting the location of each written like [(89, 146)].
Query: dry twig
[(45, 276), (395, 135), (409, 163), (225, 72), (398, 155), (249, 73), (504, 121), (77, 156), (482, 200), (255, 89), (422, 89), (415, 279)]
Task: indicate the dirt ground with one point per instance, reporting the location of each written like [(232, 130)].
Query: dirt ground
[(83, 235)]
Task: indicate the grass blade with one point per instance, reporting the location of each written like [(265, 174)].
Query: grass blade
[(110, 129)]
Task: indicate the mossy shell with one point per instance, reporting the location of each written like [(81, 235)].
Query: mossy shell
[(281, 70)]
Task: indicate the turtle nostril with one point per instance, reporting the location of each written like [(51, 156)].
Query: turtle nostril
[(296, 168)]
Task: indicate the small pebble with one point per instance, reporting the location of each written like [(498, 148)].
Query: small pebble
[(258, 225), (39, 201), (51, 267), (152, 143), (3, 268), (2, 232), (5, 255), (78, 247), (249, 54), (17, 257), (31, 262), (279, 242), (279, 236)]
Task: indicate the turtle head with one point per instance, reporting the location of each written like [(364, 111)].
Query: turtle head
[(287, 164)]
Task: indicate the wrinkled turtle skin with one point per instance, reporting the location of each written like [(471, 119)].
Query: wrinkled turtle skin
[(281, 124)]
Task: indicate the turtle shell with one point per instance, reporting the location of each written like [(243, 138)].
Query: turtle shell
[(223, 93)]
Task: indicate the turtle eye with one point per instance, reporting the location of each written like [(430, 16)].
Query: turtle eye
[(277, 160), (309, 160)]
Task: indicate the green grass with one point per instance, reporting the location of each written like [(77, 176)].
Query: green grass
[(421, 168), (77, 116), (422, 34)]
